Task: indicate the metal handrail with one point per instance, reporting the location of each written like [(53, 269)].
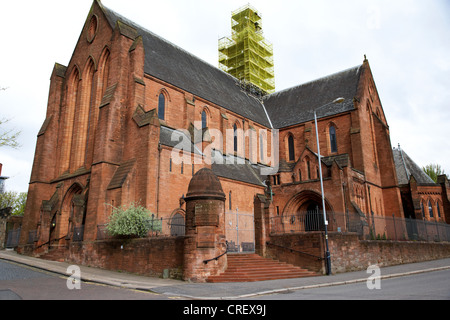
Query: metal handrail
[(294, 250), (218, 257), (48, 242)]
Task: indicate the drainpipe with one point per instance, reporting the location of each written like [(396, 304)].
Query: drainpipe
[(158, 178)]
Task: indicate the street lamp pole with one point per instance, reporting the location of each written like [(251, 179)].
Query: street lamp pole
[(327, 253)]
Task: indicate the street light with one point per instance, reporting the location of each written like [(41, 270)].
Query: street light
[(327, 253)]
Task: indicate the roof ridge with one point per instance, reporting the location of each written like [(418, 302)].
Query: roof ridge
[(314, 81)]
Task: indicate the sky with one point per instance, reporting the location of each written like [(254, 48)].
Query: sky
[(407, 43)]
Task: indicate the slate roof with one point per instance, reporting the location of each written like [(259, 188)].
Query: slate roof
[(121, 174), (406, 167), (239, 169), (296, 105), (177, 139), (178, 67)]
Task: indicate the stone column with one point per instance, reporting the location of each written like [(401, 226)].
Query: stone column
[(205, 245)]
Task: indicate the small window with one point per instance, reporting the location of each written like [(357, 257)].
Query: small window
[(276, 180), (430, 209), (308, 167), (261, 147), (235, 138), (291, 148), (333, 141), (182, 167), (422, 209), (204, 120), (162, 107), (229, 201), (438, 209), (170, 165)]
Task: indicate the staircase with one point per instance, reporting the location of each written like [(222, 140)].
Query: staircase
[(252, 267), (56, 254)]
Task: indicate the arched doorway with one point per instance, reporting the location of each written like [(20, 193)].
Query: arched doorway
[(72, 215), (177, 224), (313, 218), (304, 211)]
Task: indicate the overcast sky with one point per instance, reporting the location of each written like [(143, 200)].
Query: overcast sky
[(407, 43)]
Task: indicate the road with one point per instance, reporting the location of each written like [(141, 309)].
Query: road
[(18, 282), (22, 282), (424, 286)]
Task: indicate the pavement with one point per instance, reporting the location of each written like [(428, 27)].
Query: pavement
[(219, 291)]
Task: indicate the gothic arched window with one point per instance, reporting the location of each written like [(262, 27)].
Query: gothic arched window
[(162, 107), (204, 120), (291, 148), (235, 130), (438, 209), (333, 140), (430, 209)]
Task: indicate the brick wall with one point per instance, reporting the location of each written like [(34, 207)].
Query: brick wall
[(349, 253), (148, 257)]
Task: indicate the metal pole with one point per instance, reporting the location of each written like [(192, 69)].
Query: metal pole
[(327, 253), (237, 229)]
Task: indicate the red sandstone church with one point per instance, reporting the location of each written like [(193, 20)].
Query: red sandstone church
[(127, 102)]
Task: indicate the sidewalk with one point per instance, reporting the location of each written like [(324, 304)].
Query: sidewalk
[(218, 291)]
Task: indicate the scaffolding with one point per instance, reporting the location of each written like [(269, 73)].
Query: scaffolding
[(247, 55)]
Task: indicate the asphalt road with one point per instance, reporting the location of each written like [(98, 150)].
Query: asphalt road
[(18, 282), (424, 286)]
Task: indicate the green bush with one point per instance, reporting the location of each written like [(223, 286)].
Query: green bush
[(132, 221)]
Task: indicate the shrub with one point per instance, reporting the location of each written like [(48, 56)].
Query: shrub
[(132, 221)]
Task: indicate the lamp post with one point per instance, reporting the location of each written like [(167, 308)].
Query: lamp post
[(327, 253)]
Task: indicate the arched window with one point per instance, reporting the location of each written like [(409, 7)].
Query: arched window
[(308, 168), (261, 146), (291, 148), (71, 101), (438, 209), (235, 132), (162, 107), (78, 156), (204, 120), (333, 140), (430, 209)]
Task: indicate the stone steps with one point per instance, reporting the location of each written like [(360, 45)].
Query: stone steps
[(252, 267), (57, 254)]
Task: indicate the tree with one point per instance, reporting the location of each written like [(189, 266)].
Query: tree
[(433, 171), (129, 221), (8, 137), (14, 200)]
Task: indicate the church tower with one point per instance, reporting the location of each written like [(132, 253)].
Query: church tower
[(247, 55)]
